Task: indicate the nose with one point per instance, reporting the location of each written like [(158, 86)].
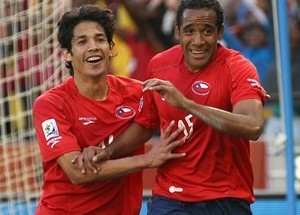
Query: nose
[(198, 38), (93, 45)]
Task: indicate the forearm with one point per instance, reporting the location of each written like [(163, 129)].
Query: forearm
[(109, 169), (236, 124), (134, 137), (113, 169), (157, 155)]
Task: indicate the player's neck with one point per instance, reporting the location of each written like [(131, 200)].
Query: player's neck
[(92, 89)]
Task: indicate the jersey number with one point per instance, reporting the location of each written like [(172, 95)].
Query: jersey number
[(187, 124)]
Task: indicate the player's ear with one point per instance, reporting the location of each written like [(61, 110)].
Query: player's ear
[(111, 50), (221, 33), (66, 55), (177, 32)]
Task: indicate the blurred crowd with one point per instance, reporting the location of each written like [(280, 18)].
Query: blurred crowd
[(145, 27)]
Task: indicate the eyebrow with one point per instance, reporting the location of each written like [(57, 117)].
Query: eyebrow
[(205, 26), (83, 36)]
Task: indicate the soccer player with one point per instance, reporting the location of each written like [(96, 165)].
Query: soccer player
[(213, 93), (91, 108)]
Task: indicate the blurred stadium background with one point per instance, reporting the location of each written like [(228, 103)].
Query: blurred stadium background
[(30, 63)]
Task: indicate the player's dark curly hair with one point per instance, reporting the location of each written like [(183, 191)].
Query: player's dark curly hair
[(70, 19), (199, 4)]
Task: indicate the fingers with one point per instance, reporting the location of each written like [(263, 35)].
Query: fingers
[(74, 159), (78, 159), (174, 144), (88, 163), (84, 161), (147, 84), (154, 84), (96, 158), (177, 155), (101, 156), (166, 133), (80, 163), (175, 134)]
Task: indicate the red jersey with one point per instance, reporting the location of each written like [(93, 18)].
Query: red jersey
[(66, 121), (217, 165)]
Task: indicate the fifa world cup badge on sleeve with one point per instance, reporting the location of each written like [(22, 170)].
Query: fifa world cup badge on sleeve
[(50, 129)]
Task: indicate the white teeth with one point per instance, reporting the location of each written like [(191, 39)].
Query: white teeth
[(93, 58), (198, 52)]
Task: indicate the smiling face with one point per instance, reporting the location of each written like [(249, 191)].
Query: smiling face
[(198, 36), (90, 52)]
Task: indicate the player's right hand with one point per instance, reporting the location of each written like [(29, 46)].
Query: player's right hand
[(85, 159)]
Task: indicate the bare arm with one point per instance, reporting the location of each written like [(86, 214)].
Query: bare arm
[(159, 153), (131, 139), (245, 121), (109, 169)]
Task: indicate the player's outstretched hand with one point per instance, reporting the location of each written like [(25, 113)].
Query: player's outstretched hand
[(167, 90), (85, 159), (162, 150)]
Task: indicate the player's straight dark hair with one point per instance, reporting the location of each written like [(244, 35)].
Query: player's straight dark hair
[(200, 4), (70, 19)]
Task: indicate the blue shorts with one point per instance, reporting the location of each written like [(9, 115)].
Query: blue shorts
[(158, 205)]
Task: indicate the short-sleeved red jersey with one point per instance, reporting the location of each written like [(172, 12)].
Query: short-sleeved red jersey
[(217, 165), (66, 121)]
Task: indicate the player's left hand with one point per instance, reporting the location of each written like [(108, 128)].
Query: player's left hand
[(167, 90)]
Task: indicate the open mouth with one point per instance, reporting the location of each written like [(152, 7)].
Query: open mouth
[(94, 59), (198, 53)]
